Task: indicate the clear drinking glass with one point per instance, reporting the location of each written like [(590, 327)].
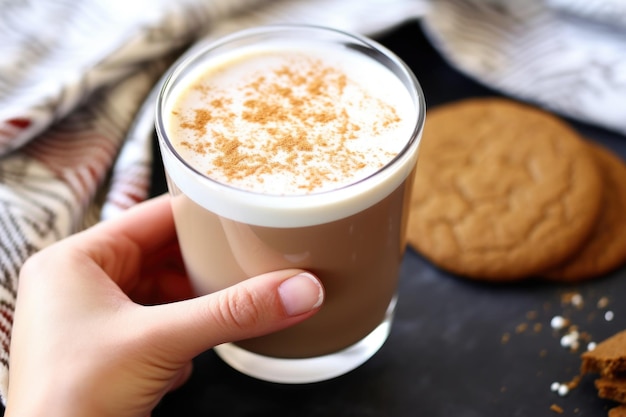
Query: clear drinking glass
[(350, 234)]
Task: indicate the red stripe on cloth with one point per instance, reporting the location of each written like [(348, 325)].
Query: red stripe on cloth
[(129, 188), (81, 158), (13, 128), (21, 123)]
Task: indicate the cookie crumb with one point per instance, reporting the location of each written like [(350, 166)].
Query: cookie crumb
[(570, 340), (564, 388), (572, 298), (619, 411), (603, 302), (556, 408), (574, 382), (558, 322), (559, 388)]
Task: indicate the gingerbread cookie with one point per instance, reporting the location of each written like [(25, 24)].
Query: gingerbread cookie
[(611, 389), (608, 358), (619, 411), (606, 247), (502, 191)]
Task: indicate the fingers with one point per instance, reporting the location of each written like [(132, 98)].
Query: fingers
[(122, 245), (183, 375), (150, 225), (251, 308), (163, 278), (178, 331)]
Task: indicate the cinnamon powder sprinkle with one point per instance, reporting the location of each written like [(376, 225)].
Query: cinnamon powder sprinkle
[(294, 119)]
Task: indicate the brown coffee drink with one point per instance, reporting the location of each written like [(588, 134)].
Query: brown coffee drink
[(294, 147)]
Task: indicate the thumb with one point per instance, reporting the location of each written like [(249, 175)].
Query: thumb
[(253, 307)]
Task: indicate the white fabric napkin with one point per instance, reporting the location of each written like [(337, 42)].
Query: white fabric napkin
[(77, 85), (566, 55)]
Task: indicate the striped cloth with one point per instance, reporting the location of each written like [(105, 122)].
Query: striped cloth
[(77, 85), (566, 55)]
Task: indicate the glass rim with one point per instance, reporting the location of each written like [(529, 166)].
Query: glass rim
[(187, 60)]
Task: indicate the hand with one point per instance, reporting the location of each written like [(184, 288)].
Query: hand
[(83, 345)]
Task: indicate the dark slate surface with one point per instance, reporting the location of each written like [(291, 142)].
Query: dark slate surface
[(446, 355)]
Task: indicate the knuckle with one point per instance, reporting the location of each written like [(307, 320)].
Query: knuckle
[(239, 309), (37, 266)]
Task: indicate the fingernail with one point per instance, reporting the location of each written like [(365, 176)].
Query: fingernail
[(300, 294)]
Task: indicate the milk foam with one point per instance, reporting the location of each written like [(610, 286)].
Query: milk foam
[(352, 116), (365, 116)]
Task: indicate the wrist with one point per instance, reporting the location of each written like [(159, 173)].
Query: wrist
[(51, 404)]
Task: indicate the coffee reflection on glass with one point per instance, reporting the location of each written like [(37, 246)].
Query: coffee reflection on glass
[(294, 147)]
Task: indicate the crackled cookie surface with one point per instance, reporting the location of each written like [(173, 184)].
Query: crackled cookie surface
[(502, 191)]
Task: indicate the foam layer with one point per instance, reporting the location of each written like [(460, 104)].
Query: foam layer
[(283, 130)]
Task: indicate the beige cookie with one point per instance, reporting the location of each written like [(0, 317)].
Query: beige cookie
[(619, 411), (608, 358), (502, 190), (606, 248), (611, 389)]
